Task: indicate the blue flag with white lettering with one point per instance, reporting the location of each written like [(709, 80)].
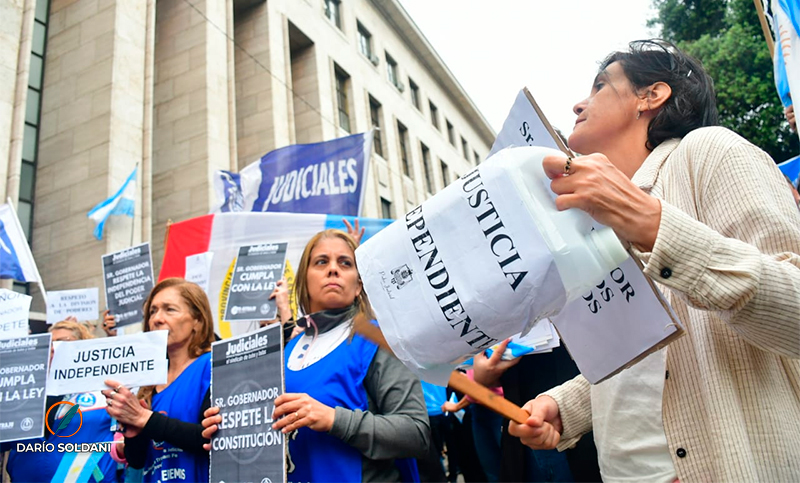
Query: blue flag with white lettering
[(327, 177)]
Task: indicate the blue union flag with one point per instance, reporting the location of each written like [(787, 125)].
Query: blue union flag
[(327, 177)]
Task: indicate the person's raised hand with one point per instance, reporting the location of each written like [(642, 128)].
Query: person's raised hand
[(593, 184), (281, 296), (487, 370), (355, 232), (296, 410), (789, 113), (109, 324), (543, 428)]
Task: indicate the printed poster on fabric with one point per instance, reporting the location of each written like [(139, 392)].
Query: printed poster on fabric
[(223, 234), (23, 373), (246, 377)]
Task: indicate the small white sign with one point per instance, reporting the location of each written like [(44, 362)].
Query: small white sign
[(132, 360), (198, 268), (83, 304), (14, 310)]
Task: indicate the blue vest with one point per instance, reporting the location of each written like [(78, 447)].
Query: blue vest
[(336, 380), (55, 466), (180, 400)]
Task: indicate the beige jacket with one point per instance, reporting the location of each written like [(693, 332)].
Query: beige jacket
[(726, 258)]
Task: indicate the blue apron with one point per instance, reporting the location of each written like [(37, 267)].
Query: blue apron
[(180, 400), (338, 381), (55, 466)]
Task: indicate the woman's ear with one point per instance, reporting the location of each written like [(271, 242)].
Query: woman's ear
[(657, 95)]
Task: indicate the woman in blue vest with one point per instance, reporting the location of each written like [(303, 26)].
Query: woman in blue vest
[(94, 426), (358, 413), (162, 424)]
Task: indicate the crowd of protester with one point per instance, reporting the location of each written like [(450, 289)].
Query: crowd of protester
[(707, 213)]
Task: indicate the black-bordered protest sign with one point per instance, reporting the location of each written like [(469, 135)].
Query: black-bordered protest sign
[(258, 269), (128, 279), (132, 360), (23, 373), (246, 377)]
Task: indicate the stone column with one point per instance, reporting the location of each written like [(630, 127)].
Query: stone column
[(191, 121), (91, 134)]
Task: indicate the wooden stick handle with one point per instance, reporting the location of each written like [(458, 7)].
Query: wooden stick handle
[(458, 381), (765, 28), (487, 398)]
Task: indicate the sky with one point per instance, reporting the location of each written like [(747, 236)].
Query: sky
[(496, 47)]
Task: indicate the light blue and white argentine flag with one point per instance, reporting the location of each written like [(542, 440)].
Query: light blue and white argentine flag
[(786, 22), (16, 260), (122, 203)]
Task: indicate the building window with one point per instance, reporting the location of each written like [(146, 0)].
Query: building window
[(375, 119), (33, 108), (333, 12), (465, 148), (434, 114), (476, 157), (391, 70), (426, 164), (402, 134), (386, 209), (445, 173), (414, 88), (342, 84), (365, 43), (451, 133)]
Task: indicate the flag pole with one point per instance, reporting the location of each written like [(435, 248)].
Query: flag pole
[(30, 253), (765, 27), (133, 218)]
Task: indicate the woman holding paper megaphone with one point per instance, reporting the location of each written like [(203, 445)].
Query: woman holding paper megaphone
[(162, 424), (94, 426), (709, 215), (358, 412)]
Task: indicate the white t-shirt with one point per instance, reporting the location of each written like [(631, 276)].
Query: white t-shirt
[(628, 426)]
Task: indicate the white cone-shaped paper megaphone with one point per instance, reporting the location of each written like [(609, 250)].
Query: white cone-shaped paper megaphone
[(481, 261)]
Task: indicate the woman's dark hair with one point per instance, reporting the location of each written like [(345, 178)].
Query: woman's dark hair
[(692, 104)]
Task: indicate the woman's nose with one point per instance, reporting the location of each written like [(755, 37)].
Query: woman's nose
[(579, 107)]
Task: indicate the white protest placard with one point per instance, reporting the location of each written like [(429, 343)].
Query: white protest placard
[(614, 325), (14, 310), (81, 303), (525, 126), (132, 360), (198, 269)]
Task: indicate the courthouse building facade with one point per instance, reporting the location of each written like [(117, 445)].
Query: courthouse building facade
[(91, 89)]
